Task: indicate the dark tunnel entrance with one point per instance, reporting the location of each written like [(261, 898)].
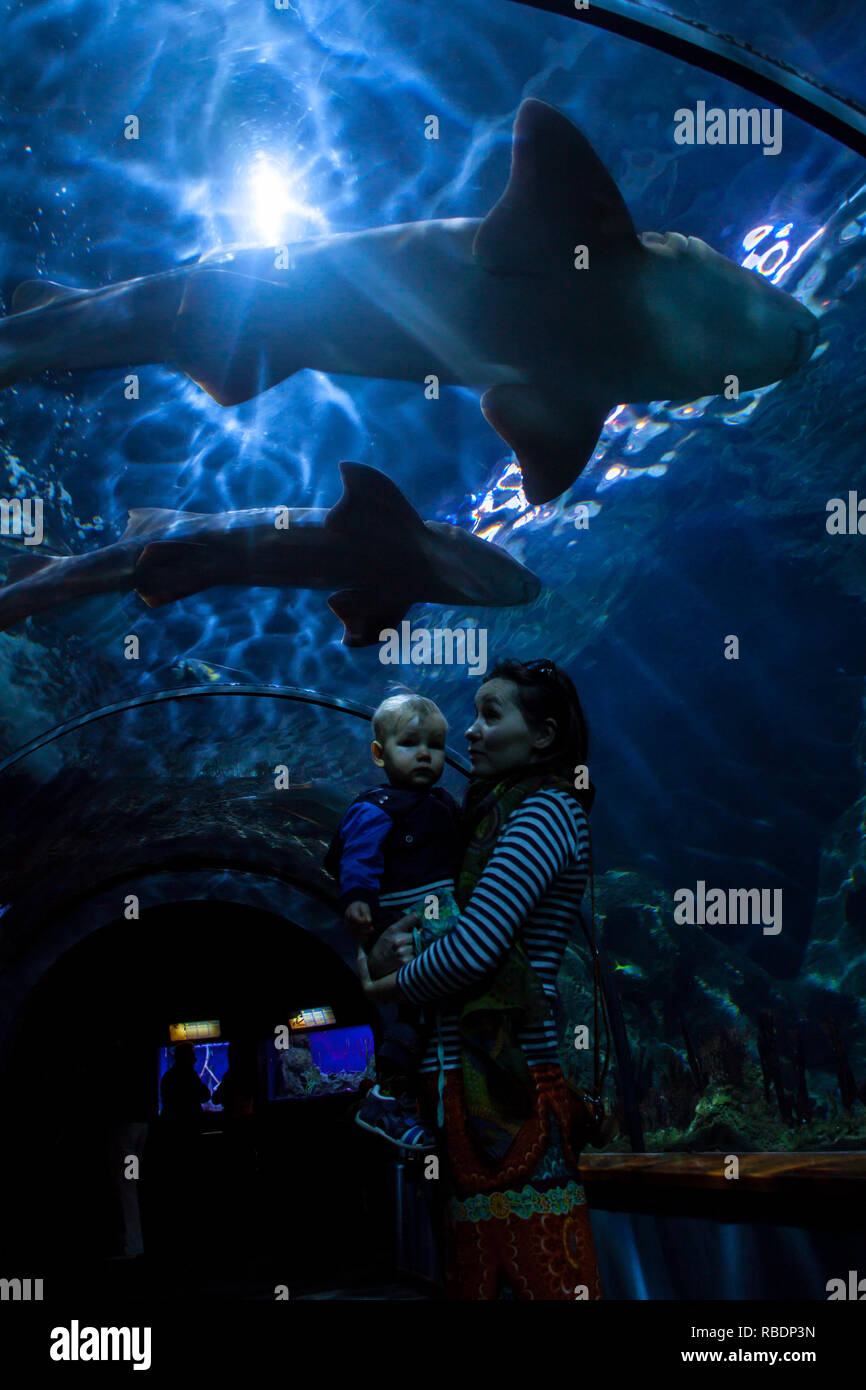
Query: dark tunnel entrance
[(240, 923), (287, 1195)]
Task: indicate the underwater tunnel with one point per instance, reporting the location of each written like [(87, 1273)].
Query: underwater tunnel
[(222, 891), (181, 732)]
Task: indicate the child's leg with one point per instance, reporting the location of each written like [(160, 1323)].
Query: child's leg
[(400, 1053), (405, 1037)]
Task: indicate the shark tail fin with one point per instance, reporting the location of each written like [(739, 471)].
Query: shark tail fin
[(232, 335), (17, 598), (14, 608), (365, 615)]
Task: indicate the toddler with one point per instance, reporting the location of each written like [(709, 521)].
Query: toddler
[(397, 852)]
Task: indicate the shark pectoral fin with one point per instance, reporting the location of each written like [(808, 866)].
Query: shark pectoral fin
[(35, 294), (552, 439), (559, 196), (169, 570), (364, 615), (371, 502), (232, 335)]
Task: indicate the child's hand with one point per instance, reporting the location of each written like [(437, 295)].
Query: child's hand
[(359, 920)]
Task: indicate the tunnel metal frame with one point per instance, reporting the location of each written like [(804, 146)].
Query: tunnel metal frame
[(723, 55), (817, 104), (340, 704), (155, 697), (68, 908)]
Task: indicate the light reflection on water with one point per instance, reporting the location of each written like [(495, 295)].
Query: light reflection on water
[(282, 124)]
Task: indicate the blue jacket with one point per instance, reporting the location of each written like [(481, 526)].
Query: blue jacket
[(392, 839)]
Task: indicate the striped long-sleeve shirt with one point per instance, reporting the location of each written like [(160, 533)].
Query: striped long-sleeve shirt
[(534, 879)]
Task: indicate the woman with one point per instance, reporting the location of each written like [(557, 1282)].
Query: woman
[(516, 1218)]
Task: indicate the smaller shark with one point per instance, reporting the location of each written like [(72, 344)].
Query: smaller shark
[(372, 548)]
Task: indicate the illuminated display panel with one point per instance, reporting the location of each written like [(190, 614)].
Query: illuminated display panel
[(312, 1018), (194, 1032)]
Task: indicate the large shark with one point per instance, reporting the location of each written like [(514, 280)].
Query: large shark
[(555, 336), (371, 547)]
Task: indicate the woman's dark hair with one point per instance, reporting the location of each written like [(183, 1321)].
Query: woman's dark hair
[(545, 692)]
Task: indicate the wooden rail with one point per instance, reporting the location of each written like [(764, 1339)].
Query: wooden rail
[(820, 1191), (758, 1172)]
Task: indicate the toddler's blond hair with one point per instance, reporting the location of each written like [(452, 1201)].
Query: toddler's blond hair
[(394, 711)]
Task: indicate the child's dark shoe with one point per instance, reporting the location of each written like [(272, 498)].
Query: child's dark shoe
[(395, 1120)]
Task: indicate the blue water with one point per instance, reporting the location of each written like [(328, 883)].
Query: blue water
[(211, 1065), (706, 518), (342, 1049)]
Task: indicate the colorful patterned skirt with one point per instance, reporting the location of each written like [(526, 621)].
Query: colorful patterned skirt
[(521, 1229)]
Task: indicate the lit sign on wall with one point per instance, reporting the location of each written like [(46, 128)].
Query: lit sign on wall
[(194, 1032), (312, 1018)]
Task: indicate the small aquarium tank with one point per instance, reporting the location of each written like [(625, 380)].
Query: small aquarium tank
[(320, 1063), (298, 404), (211, 1065)]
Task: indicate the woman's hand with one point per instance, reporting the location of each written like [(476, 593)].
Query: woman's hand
[(378, 991), (394, 948)]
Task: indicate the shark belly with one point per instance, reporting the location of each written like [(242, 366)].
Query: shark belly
[(306, 555), (400, 303)]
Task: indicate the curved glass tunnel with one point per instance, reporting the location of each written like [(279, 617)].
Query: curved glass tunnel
[(191, 887), (188, 887), (162, 862)]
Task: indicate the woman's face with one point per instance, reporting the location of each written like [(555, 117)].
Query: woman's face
[(500, 740)]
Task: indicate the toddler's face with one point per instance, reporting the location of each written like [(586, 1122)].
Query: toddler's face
[(414, 755)]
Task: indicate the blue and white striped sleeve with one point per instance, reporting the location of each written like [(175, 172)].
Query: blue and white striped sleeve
[(539, 840)]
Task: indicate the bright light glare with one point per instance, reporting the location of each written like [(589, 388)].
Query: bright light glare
[(272, 204), (270, 199)]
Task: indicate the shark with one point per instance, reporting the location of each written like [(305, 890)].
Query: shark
[(371, 548), (552, 306)]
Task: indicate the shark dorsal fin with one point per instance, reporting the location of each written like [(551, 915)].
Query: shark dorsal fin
[(371, 502), (559, 196), (144, 520)]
